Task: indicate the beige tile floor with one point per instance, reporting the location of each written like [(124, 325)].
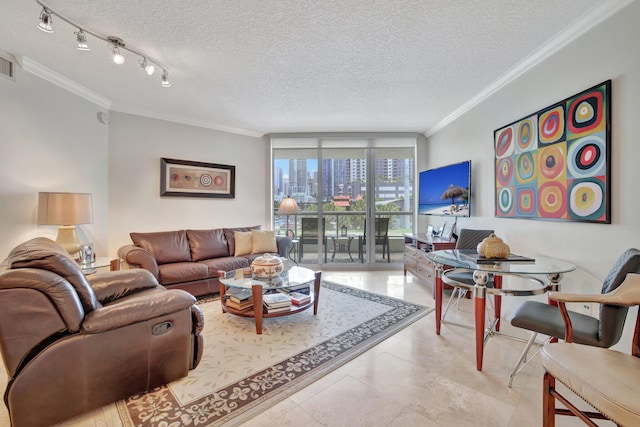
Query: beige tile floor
[(416, 378)]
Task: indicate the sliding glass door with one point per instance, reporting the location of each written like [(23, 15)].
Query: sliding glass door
[(354, 196)]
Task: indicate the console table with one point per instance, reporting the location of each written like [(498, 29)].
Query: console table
[(415, 260)]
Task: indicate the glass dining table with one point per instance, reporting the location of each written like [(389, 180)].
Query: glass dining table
[(487, 272)]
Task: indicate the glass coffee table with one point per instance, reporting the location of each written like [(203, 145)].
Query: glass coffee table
[(289, 280)]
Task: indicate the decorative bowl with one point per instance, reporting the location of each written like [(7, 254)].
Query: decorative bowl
[(493, 247), (267, 266)]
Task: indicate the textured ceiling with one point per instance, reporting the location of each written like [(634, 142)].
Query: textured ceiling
[(259, 66)]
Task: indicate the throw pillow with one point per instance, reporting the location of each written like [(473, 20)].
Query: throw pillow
[(264, 241), (244, 243)]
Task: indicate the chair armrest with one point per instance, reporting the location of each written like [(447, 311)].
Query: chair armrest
[(110, 286), (138, 257), (135, 310), (627, 294)]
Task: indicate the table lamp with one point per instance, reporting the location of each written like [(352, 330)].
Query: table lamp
[(287, 207), (66, 210)]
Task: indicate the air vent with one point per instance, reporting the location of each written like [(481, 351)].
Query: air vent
[(6, 69)]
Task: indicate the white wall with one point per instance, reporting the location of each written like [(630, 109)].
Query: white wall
[(136, 145), (50, 140), (607, 52)]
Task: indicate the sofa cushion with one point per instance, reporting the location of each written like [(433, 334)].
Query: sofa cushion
[(225, 264), (263, 241), (165, 246), (179, 272), (244, 242), (228, 233), (207, 244)]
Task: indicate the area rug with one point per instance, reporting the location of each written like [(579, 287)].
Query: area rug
[(243, 373)]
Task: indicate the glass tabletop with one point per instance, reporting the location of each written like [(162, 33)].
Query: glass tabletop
[(99, 262), (539, 265), (292, 277)]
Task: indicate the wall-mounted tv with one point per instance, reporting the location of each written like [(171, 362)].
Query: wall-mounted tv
[(445, 190)]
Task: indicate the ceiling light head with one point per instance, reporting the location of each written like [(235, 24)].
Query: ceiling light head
[(81, 38), (45, 21), (165, 79), (115, 51), (149, 68)]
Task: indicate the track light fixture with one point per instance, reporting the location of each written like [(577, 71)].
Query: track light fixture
[(45, 21), (81, 38), (116, 43), (146, 62), (165, 79), (149, 68)]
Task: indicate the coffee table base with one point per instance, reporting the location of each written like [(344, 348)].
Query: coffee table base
[(258, 313)]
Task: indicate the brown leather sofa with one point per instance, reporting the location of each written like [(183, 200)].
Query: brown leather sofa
[(190, 259), (72, 343)]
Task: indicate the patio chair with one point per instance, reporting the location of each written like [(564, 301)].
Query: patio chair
[(382, 237), (309, 235)]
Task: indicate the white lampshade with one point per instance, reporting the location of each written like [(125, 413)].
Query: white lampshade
[(288, 206), (65, 210)]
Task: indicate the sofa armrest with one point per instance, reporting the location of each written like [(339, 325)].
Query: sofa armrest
[(138, 257), (136, 310), (284, 243), (110, 286)]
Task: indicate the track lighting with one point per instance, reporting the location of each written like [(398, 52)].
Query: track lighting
[(147, 63), (149, 68), (45, 21), (165, 79), (116, 43), (81, 38)]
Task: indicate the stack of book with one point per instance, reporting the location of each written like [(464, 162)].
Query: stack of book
[(299, 298), (240, 299), (274, 303)]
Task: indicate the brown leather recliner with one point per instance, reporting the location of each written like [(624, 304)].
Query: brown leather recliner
[(72, 343)]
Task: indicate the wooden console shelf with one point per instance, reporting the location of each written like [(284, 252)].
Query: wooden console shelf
[(415, 259)]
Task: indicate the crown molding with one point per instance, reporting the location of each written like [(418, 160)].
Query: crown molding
[(596, 16), (33, 67)]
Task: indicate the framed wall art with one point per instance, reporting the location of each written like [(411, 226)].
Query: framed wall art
[(555, 164), (183, 178)]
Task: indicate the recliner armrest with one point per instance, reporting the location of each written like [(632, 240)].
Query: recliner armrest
[(138, 257), (137, 309), (110, 286), (627, 294)]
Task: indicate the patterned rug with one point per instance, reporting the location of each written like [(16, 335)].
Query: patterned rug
[(243, 373)]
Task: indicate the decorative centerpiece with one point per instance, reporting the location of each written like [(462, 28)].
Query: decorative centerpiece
[(267, 267), (493, 247)]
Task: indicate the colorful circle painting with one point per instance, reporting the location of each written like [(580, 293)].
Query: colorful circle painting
[(504, 171), (552, 161), (504, 142), (505, 201), (585, 114), (586, 157), (525, 168), (586, 199), (551, 125), (552, 202), (525, 201), (526, 134)]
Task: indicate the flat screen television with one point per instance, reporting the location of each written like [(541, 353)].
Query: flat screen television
[(445, 190)]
